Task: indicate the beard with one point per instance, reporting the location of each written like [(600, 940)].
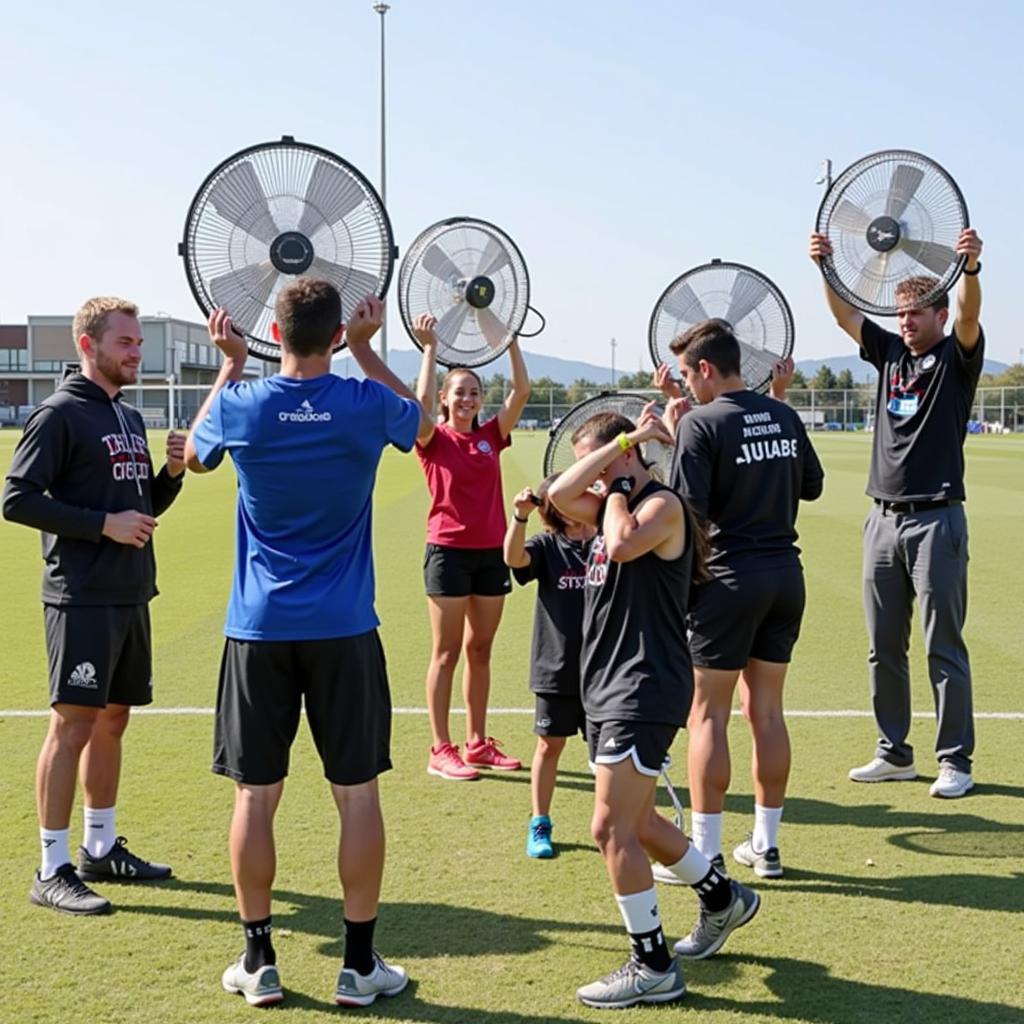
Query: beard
[(118, 374)]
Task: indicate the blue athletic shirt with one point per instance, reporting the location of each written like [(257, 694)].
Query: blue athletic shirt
[(306, 455)]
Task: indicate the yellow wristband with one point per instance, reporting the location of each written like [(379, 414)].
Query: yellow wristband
[(624, 442)]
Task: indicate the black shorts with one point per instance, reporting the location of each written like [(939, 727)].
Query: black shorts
[(647, 743), (263, 684), (755, 616), (459, 572), (99, 655), (558, 714)]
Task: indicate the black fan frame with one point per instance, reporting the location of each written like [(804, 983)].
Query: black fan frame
[(833, 194), (717, 264), (286, 141), (453, 222)]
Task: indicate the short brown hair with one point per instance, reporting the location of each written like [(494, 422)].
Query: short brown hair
[(553, 520), (603, 427), (308, 315), (91, 319), (911, 291), (711, 340)]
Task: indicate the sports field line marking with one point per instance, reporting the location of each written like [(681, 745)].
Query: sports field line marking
[(1012, 716)]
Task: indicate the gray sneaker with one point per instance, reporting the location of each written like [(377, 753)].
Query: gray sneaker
[(261, 988), (711, 930), (766, 865), (666, 877), (66, 892), (633, 983), (355, 989)]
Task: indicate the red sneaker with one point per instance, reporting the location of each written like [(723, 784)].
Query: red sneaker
[(487, 755), (446, 763)]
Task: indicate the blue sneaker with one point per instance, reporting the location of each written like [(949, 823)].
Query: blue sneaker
[(538, 837)]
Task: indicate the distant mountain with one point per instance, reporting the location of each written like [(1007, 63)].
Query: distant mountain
[(865, 372)]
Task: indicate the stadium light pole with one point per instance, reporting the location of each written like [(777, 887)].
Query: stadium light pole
[(613, 345), (382, 9)]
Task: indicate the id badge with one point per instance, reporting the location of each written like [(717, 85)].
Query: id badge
[(903, 407)]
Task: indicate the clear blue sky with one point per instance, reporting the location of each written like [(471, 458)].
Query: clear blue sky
[(618, 143)]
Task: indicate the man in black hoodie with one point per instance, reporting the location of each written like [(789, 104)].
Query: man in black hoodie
[(82, 475)]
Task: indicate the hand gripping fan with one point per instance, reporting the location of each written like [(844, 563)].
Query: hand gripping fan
[(274, 211), (472, 278), (890, 216), (559, 454), (747, 300)]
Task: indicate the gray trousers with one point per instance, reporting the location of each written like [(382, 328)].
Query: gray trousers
[(922, 554)]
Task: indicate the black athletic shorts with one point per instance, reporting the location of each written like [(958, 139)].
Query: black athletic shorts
[(263, 684), (753, 616), (99, 655), (459, 572), (647, 743), (559, 714)]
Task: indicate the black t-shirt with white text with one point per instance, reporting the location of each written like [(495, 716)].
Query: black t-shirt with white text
[(635, 663), (742, 463), (922, 407), (559, 565)]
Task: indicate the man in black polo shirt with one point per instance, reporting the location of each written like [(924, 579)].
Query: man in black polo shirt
[(915, 538)]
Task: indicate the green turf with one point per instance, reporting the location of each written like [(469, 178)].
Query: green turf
[(894, 906)]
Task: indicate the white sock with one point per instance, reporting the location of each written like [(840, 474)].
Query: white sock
[(766, 827), (707, 833), (692, 867), (99, 831), (640, 911), (54, 842)]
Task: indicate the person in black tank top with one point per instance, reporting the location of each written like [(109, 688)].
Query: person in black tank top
[(637, 683)]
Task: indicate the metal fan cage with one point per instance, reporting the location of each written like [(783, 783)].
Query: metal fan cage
[(892, 215), (276, 210), (745, 298), (439, 275), (559, 455)]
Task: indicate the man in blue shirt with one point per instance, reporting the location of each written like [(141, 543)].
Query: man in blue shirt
[(301, 625)]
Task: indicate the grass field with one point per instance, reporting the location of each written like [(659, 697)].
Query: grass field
[(894, 906)]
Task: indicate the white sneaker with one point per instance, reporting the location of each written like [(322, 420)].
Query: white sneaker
[(880, 770), (355, 989), (951, 782), (261, 988)]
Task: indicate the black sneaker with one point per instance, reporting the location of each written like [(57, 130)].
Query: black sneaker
[(119, 863), (66, 892)]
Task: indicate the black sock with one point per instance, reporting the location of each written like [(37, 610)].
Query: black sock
[(359, 945), (258, 950), (714, 891), (651, 949)]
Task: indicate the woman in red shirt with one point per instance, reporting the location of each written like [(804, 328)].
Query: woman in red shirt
[(464, 571)]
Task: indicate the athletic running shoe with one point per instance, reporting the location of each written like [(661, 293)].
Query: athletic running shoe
[(634, 983), (766, 865), (711, 930), (119, 863), (951, 782), (880, 770), (261, 988), (666, 877), (66, 892), (446, 763), (355, 989), (538, 838), (487, 755)]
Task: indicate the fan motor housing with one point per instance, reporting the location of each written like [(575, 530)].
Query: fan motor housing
[(291, 252), (480, 292), (883, 234)]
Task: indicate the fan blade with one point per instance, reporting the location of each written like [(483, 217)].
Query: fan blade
[(757, 363), (449, 326), (493, 258), (747, 294), (435, 261), (849, 217), (353, 285), (902, 186), (239, 198), (244, 292), (937, 258), (683, 304), (330, 196), (872, 278), (495, 333)]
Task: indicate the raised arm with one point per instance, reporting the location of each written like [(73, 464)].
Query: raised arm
[(968, 300), (514, 546), (426, 382), (512, 408), (849, 318)]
